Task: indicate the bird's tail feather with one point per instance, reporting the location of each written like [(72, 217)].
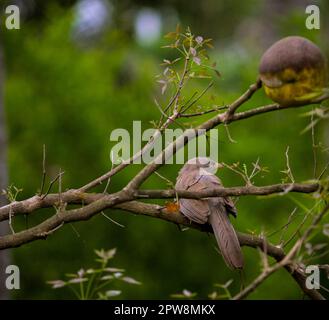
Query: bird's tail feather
[(226, 237)]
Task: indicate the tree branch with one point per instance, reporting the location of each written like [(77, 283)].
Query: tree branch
[(233, 192), (76, 197), (237, 103), (287, 262), (43, 230), (223, 118)]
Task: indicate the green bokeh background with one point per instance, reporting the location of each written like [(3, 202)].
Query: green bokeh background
[(70, 97)]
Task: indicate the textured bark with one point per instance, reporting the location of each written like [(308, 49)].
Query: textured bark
[(4, 255)]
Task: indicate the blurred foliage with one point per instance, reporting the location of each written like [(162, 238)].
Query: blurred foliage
[(70, 97), (93, 283)]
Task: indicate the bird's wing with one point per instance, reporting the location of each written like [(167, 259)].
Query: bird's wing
[(195, 210), (316, 92), (230, 207), (198, 210), (271, 82), (226, 201), (185, 181)]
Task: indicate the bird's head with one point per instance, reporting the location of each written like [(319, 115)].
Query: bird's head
[(206, 166), (293, 71)]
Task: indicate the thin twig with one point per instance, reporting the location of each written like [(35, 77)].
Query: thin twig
[(50, 186), (313, 148), (43, 169), (112, 220), (169, 182), (285, 228), (197, 98), (60, 188), (10, 220), (201, 113), (180, 85), (288, 171), (229, 134), (109, 179), (297, 231), (323, 171)]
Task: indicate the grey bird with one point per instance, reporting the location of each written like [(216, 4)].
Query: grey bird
[(198, 174)]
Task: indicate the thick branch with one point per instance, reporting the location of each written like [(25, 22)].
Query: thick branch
[(76, 197), (234, 191), (241, 100)]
